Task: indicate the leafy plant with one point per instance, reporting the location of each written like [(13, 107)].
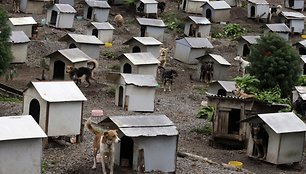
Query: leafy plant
[(247, 83), (114, 68), (206, 112), (10, 99), (108, 54), (232, 31), (302, 81), (130, 2), (44, 166), (173, 22), (272, 96)]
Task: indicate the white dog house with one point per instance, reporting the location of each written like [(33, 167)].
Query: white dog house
[(34, 6), (70, 2), (61, 16), (138, 63), (19, 46), (294, 20), (294, 4), (199, 26), (144, 44), (303, 65), (57, 106), (102, 30), (96, 10), (244, 45), (216, 11), (20, 145), (193, 6), (189, 48), (299, 91), (301, 47), (281, 29), (286, 136), (152, 28), (223, 88), (258, 9), (149, 6), (148, 142), (220, 65), (24, 24), (60, 59), (89, 44)]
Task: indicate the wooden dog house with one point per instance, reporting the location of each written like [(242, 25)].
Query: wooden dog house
[(152, 28), (57, 106), (244, 45), (24, 24), (102, 30), (202, 24), (144, 44), (19, 46), (148, 142), (20, 145), (216, 11), (96, 10), (61, 16)]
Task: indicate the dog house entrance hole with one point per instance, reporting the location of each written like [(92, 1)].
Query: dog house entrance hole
[(120, 100), (233, 121), (221, 92), (208, 14), (72, 45), (95, 32), (136, 49), (59, 70), (89, 13), (34, 110), (127, 68), (126, 152), (252, 11), (302, 51), (246, 50), (291, 3), (53, 17), (142, 31)]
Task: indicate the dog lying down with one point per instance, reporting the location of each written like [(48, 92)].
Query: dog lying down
[(104, 142)]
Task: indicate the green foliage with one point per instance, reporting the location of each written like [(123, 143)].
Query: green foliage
[(114, 68), (272, 95), (247, 83), (44, 166), (201, 89), (232, 31), (130, 2), (108, 54), (10, 99), (173, 22), (206, 129), (206, 112), (274, 62), (302, 81)]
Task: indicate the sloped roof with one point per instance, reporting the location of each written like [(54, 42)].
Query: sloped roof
[(73, 55), (23, 21), (65, 8), (293, 15), (139, 80), (19, 127), (302, 42), (199, 20), (151, 22), (301, 91), (81, 38), (217, 5), (280, 27), (145, 125), (98, 4), (149, 1), (229, 86), (142, 58), (303, 57), (196, 42), (258, 1), (58, 91), (102, 25), (144, 41), (19, 37), (251, 39), (220, 59)]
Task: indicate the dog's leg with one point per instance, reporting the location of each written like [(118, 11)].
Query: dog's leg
[(103, 162), (95, 150), (169, 88), (112, 161), (87, 80)]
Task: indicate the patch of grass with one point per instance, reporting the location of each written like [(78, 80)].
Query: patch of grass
[(201, 89), (114, 67), (108, 55), (232, 31), (174, 22), (10, 99), (206, 129), (44, 166)]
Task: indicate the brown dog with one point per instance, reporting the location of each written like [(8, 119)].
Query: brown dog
[(239, 93), (260, 138), (119, 20), (104, 142), (163, 54)]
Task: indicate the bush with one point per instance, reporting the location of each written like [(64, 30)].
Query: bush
[(233, 31), (206, 112), (173, 22)]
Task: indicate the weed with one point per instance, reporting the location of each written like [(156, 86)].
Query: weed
[(173, 22), (44, 166), (206, 112), (114, 68), (201, 89), (233, 31), (206, 129), (108, 54), (10, 99)]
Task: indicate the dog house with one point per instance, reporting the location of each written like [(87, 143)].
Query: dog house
[(138, 63), (34, 6), (197, 27), (89, 44), (147, 7), (192, 6), (20, 145), (294, 20), (294, 4), (258, 9), (229, 111), (299, 100), (284, 134), (61, 16), (60, 59), (216, 11), (97, 11), (223, 88), (148, 142), (19, 46), (188, 49), (303, 64), (152, 28), (144, 44), (70, 2), (220, 66), (281, 29), (244, 45), (301, 47), (102, 30), (57, 106), (24, 24)]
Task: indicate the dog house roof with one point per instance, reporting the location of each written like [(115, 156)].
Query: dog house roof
[(217, 58), (281, 27), (81, 38), (149, 1), (139, 80), (143, 58), (65, 8), (58, 91), (217, 5), (145, 125), (195, 42), (151, 22), (250, 39), (19, 37), (199, 20), (73, 55), (293, 15), (19, 127), (98, 4), (302, 42), (102, 25), (144, 41), (229, 86), (301, 91), (303, 57), (258, 1), (23, 21)]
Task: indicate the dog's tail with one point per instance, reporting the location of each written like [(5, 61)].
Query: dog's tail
[(90, 127), (92, 64)]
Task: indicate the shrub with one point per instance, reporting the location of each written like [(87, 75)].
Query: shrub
[(233, 31), (206, 112)]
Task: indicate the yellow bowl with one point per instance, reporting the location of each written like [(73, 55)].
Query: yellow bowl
[(108, 44), (303, 36), (236, 164)]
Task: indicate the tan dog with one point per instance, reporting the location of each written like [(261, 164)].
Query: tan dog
[(239, 93), (119, 20), (105, 144), (163, 54), (16, 6)]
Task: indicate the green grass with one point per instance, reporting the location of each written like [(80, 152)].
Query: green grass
[(10, 99), (206, 129), (201, 89)]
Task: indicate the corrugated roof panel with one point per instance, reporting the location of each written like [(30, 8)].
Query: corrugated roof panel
[(149, 1), (139, 80), (19, 37), (81, 38), (98, 4), (283, 122), (296, 15), (131, 121), (23, 21), (200, 20), (151, 22), (150, 131), (103, 25), (198, 42), (73, 55), (220, 59), (65, 8), (142, 58), (229, 86), (19, 127), (251, 39), (218, 5), (300, 89), (303, 42), (59, 91), (281, 27), (144, 40), (258, 1)]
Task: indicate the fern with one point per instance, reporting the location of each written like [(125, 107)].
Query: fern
[(206, 112)]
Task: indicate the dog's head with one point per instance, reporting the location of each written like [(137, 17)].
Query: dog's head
[(110, 137), (69, 68), (163, 51)]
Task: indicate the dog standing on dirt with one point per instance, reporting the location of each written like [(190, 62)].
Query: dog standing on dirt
[(168, 76), (260, 138), (104, 142), (163, 54), (76, 74)]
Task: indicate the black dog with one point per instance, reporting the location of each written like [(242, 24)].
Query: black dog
[(207, 70), (167, 76), (260, 138), (161, 6), (140, 8)]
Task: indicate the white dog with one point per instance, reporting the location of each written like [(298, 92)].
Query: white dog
[(242, 64)]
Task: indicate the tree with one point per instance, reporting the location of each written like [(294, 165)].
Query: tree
[(5, 50), (275, 63)]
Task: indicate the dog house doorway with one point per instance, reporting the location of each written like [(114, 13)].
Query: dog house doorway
[(221, 92), (127, 68), (233, 121), (89, 13), (120, 99), (94, 32), (53, 17), (291, 3), (252, 11), (126, 152), (72, 46), (136, 49), (142, 31), (59, 70), (34, 110), (208, 14), (246, 50), (302, 51)]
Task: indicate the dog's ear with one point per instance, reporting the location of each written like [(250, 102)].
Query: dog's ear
[(105, 133)]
